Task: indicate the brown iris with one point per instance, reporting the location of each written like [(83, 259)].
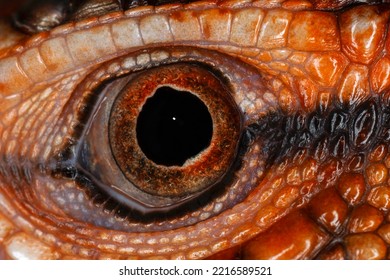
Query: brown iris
[(174, 130)]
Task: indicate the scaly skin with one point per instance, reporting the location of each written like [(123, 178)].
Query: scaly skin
[(328, 199)]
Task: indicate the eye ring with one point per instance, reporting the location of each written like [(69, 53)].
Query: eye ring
[(198, 173)]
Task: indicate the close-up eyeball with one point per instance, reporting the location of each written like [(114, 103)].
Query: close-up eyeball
[(180, 129)]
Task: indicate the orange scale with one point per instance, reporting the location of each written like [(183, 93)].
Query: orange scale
[(351, 187), (377, 174), (329, 209), (365, 218), (365, 246), (295, 236), (384, 232), (380, 197)]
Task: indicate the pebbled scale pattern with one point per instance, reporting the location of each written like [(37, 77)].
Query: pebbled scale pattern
[(351, 208), (326, 191)]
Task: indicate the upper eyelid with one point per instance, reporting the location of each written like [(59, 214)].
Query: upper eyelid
[(272, 42), (44, 57)]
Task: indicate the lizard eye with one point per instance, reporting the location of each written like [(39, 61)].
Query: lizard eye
[(159, 137), (167, 144)]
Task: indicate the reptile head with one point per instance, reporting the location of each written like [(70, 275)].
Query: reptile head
[(213, 129)]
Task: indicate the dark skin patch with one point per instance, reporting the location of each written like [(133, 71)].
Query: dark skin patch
[(343, 131)]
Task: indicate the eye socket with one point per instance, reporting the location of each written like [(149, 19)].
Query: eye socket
[(126, 118)]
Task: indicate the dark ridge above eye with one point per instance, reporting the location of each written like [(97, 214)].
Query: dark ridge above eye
[(35, 16), (173, 126), (90, 8), (337, 4), (42, 15)]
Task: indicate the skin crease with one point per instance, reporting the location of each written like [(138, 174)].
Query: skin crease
[(322, 204)]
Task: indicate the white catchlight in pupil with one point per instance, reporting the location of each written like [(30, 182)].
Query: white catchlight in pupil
[(173, 126)]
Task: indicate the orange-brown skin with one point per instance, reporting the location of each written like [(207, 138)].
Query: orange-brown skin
[(309, 205)]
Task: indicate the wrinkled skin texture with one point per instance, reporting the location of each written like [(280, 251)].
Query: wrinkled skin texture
[(304, 71)]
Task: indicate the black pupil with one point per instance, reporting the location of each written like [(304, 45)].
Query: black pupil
[(173, 126)]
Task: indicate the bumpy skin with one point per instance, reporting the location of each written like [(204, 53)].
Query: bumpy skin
[(316, 106)]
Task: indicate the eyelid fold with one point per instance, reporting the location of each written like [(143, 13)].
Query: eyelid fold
[(123, 32), (270, 27)]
